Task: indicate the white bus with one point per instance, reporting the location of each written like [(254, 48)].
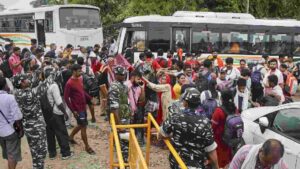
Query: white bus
[(60, 24), (230, 34)]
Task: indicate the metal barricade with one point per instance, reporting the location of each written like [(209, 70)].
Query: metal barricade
[(136, 158)]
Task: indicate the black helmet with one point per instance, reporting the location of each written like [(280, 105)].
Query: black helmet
[(120, 70), (191, 95)]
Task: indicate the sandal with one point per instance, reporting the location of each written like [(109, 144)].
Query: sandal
[(90, 151), (72, 141)]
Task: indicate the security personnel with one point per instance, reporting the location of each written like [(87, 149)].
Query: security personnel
[(27, 97), (119, 105), (191, 134)]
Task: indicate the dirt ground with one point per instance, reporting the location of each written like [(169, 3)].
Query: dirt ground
[(98, 135), (98, 138)]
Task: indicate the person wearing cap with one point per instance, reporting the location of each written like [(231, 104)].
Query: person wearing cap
[(191, 134), (118, 103), (76, 98), (27, 94)]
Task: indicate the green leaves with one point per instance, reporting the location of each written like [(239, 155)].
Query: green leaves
[(115, 11)]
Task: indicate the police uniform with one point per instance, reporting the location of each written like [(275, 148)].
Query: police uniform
[(118, 99), (191, 135), (33, 120)]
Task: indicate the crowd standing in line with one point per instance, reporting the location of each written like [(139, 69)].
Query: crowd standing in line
[(193, 100)]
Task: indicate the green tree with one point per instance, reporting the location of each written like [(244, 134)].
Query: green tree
[(115, 11)]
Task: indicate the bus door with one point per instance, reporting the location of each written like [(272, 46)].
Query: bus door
[(181, 38), (134, 43), (40, 28)]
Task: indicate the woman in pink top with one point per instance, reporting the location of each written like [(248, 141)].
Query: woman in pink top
[(15, 63)]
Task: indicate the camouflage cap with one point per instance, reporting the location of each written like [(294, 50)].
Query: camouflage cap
[(17, 80), (191, 95), (120, 70)]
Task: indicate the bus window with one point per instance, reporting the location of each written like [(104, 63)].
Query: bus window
[(259, 43), (205, 41), (49, 21), (17, 23), (159, 38), (181, 39), (79, 18), (31, 25), (296, 50), (135, 39), (280, 44), (234, 43)]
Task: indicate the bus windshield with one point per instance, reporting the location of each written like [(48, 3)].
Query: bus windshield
[(79, 18)]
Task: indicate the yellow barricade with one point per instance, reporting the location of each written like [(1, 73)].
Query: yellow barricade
[(136, 158)]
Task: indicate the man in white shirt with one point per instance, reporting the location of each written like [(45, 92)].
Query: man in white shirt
[(9, 113), (56, 126), (112, 47), (273, 71), (232, 73), (274, 89)]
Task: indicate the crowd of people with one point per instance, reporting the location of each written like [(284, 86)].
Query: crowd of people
[(194, 99)]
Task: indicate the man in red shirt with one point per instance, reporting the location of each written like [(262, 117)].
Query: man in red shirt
[(15, 63), (76, 99)]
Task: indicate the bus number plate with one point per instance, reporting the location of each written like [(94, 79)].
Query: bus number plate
[(84, 38)]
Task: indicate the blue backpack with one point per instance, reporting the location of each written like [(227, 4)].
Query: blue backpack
[(234, 129), (256, 76), (209, 105)]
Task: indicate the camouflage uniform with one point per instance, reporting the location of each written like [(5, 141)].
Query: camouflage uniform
[(118, 100), (191, 135), (33, 120)]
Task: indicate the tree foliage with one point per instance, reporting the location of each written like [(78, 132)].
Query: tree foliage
[(115, 11)]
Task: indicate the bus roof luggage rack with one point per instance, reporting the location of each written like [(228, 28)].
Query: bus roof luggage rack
[(221, 15)]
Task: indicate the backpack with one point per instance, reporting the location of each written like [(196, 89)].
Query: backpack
[(233, 130), (291, 84), (91, 85), (256, 76), (5, 68), (202, 82), (46, 107), (209, 105)]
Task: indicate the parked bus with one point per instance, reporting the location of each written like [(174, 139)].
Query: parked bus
[(60, 24), (230, 34)]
